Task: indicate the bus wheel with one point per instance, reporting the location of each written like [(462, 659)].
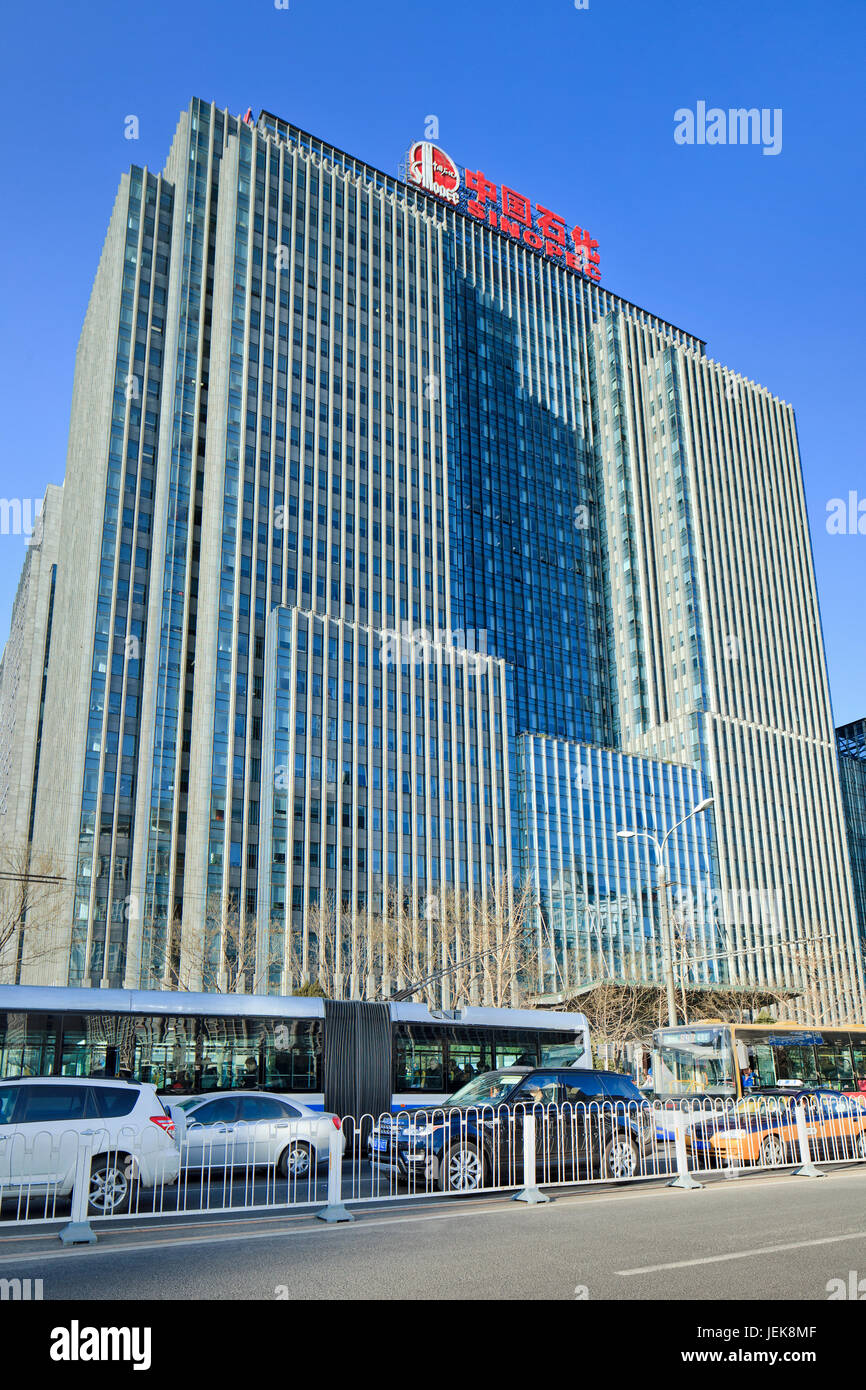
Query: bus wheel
[(462, 1169)]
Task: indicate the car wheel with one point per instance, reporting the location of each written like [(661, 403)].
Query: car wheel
[(772, 1153), (621, 1158), (861, 1144), (110, 1186), (294, 1162), (462, 1169)]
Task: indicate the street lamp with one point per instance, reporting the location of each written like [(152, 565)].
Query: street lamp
[(661, 876)]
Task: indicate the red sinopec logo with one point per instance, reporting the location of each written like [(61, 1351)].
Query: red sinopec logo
[(434, 170), (503, 208)]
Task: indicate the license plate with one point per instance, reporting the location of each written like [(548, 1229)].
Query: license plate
[(380, 1146)]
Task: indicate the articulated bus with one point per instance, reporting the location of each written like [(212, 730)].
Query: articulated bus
[(711, 1058), (349, 1057)]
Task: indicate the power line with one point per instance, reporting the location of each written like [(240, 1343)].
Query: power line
[(404, 994), (32, 878)]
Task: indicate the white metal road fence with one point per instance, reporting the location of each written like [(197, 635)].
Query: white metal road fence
[(83, 1174)]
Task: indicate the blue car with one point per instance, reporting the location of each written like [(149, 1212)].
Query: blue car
[(588, 1124)]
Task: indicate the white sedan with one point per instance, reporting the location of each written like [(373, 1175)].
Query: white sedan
[(245, 1129)]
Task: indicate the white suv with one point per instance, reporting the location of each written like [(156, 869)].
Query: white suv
[(42, 1120)]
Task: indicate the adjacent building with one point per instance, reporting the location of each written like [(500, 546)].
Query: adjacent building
[(398, 556), (23, 677)]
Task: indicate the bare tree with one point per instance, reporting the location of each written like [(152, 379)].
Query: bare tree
[(480, 947), (488, 943), (221, 954), (619, 1013), (813, 966), (740, 1003), (342, 948), (30, 891)]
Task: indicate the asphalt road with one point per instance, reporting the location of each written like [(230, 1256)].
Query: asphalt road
[(759, 1238)]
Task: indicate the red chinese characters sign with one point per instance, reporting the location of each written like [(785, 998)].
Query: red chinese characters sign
[(503, 208)]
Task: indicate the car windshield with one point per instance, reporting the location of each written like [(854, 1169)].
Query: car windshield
[(188, 1102), (488, 1089)]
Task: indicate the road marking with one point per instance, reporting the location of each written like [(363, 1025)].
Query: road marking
[(743, 1254)]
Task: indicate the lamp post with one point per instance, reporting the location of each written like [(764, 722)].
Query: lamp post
[(662, 879)]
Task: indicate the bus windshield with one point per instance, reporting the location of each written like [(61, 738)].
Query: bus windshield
[(694, 1062)]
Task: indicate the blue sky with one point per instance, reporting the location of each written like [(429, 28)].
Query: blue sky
[(760, 255)]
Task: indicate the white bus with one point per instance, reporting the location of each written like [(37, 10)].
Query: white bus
[(347, 1057)]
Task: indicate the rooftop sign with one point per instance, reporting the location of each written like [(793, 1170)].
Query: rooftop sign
[(503, 208)]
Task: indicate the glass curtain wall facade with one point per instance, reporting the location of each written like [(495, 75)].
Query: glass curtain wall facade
[(602, 899), (315, 405), (851, 742), (382, 765)]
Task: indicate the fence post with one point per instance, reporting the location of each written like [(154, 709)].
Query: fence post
[(335, 1211), (807, 1168), (530, 1193), (683, 1178), (733, 1166), (79, 1230)]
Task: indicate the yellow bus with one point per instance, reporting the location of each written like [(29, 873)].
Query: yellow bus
[(713, 1058)]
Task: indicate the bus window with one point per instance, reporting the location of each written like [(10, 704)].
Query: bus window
[(795, 1062), (835, 1066), (858, 1052), (27, 1044), (85, 1051), (520, 1047), (292, 1051), (763, 1064), (164, 1052), (468, 1059), (419, 1057), (228, 1053), (562, 1054)]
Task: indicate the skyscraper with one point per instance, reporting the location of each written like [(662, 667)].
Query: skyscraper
[(851, 743), (398, 555)]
